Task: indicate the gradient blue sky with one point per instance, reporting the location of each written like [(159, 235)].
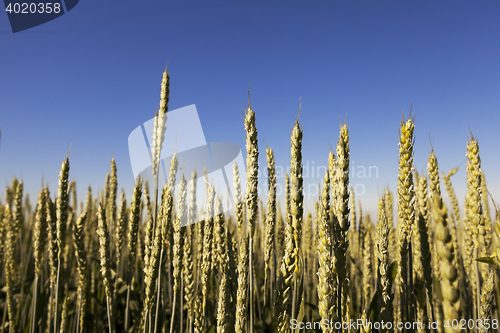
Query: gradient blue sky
[(88, 78)]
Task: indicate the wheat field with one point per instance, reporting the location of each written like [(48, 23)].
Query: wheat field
[(117, 264)]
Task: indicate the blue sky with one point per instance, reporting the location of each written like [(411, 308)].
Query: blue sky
[(88, 78)]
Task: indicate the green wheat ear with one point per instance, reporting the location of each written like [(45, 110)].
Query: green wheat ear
[(446, 252), (296, 195), (325, 271), (341, 211), (385, 299), (251, 198), (487, 295), (241, 298), (422, 253), (81, 260), (207, 244), (103, 233), (406, 210)]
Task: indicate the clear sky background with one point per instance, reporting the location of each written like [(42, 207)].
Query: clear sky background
[(88, 78)]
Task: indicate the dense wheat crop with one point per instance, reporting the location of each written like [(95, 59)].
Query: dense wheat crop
[(144, 266)]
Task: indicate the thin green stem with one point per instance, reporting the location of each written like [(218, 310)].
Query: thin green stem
[(173, 313), (110, 327), (478, 286), (182, 299), (410, 285), (78, 313), (51, 298), (127, 302), (265, 289), (57, 293), (4, 317), (250, 274), (294, 297), (145, 319), (33, 315), (158, 291)]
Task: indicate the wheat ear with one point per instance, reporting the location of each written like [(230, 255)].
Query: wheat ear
[(103, 233), (445, 250), (487, 295), (367, 271), (9, 268), (39, 238), (179, 223), (341, 209), (251, 192), (406, 214), (422, 254), (52, 250), (241, 295), (120, 226), (110, 207), (225, 290), (456, 219), (159, 127), (270, 218), (81, 261), (187, 273), (207, 246), (385, 295), (61, 216), (133, 231), (474, 210), (325, 271)]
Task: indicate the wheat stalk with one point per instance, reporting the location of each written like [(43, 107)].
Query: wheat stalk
[(325, 270), (238, 208), (207, 246), (224, 306), (152, 267), (270, 217), (187, 273), (39, 238), (445, 250), (341, 209), (367, 272), (456, 217), (487, 301), (61, 216), (103, 233), (474, 210), (110, 206), (52, 250), (9, 267), (159, 127), (241, 296), (385, 295), (133, 231), (81, 260), (422, 254), (180, 221), (251, 191), (406, 214)]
